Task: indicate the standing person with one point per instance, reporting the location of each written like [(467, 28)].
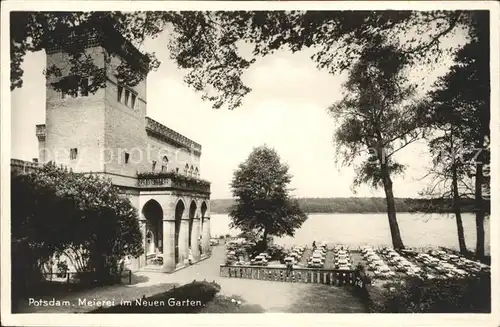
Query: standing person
[(200, 248), (122, 265), (314, 245), (190, 257), (289, 267)]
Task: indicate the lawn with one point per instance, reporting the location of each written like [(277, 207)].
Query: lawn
[(195, 297)]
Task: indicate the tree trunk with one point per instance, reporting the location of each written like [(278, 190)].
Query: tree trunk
[(397, 242), (479, 211), (456, 209), (265, 239)]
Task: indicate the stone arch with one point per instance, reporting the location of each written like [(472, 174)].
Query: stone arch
[(179, 212), (153, 213), (181, 200), (192, 213), (203, 210)]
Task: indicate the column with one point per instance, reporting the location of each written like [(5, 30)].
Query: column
[(183, 238), (142, 258), (168, 245), (206, 236), (194, 239)]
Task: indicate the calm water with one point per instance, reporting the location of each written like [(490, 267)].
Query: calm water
[(417, 230)]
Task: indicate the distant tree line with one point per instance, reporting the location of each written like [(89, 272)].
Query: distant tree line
[(362, 205)]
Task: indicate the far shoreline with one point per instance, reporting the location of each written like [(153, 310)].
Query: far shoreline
[(366, 213), (364, 205)]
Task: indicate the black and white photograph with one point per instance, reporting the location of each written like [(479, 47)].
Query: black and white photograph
[(228, 157)]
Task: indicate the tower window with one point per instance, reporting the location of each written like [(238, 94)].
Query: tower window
[(73, 153), (71, 87), (127, 157), (75, 86), (126, 96)]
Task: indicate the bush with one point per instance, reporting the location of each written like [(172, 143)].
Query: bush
[(56, 211), (230, 260), (277, 253), (360, 267), (62, 269), (470, 295)]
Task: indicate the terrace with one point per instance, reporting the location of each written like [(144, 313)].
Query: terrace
[(172, 180), (425, 265), (340, 266)]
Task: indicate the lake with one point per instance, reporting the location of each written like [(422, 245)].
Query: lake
[(417, 230)]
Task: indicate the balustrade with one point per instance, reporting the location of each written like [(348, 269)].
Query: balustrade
[(153, 181), (297, 275)]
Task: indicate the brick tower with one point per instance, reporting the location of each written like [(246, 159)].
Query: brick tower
[(96, 131)]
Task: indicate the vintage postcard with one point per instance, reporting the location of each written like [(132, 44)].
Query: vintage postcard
[(302, 162)]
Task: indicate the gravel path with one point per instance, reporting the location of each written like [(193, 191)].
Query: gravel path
[(270, 296)]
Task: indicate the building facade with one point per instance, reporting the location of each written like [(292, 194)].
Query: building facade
[(108, 133)]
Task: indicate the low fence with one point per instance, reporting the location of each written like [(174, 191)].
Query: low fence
[(76, 277), (297, 275)]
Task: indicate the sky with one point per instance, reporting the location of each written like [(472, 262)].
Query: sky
[(287, 110)]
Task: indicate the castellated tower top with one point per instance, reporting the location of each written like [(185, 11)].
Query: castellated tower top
[(96, 106), (95, 100), (102, 33)]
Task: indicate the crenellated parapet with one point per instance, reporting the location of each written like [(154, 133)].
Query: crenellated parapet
[(168, 135)]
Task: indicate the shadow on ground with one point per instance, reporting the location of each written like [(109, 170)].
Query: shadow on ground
[(137, 279), (231, 304), (328, 299)]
